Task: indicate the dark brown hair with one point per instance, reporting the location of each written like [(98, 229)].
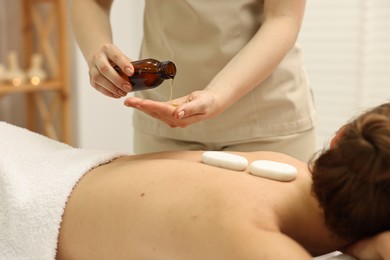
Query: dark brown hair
[(352, 179)]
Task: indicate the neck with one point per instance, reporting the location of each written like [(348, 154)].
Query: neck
[(305, 223)]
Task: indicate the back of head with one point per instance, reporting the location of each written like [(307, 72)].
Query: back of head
[(352, 179)]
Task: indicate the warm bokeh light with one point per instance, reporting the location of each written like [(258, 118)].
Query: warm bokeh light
[(35, 80), (16, 82)]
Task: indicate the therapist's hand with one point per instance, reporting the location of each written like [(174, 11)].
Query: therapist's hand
[(180, 112), (104, 78)]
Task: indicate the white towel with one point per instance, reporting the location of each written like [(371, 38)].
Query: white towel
[(37, 175), (335, 256)]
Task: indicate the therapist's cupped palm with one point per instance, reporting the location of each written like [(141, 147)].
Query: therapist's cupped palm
[(180, 112)]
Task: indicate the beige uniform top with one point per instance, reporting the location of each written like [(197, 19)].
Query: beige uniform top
[(200, 37)]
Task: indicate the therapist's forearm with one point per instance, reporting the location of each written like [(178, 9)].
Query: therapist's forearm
[(91, 25), (255, 62), (259, 58)]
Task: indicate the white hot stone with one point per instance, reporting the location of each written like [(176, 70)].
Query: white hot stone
[(225, 160), (273, 170)]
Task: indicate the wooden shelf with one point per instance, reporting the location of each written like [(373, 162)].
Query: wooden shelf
[(6, 89), (47, 104)]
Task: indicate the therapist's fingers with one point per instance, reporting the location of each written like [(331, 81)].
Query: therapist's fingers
[(162, 111), (181, 112), (119, 59), (103, 85), (105, 92), (133, 102), (199, 106), (104, 77)]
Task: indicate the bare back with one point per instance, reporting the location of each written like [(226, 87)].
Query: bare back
[(172, 206)]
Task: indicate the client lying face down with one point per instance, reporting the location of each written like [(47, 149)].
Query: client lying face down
[(171, 206)]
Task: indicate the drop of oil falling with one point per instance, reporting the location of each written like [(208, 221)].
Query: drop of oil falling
[(171, 95)]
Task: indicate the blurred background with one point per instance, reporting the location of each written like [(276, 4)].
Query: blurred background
[(346, 48)]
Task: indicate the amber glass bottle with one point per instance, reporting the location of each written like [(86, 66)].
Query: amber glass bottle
[(149, 73)]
